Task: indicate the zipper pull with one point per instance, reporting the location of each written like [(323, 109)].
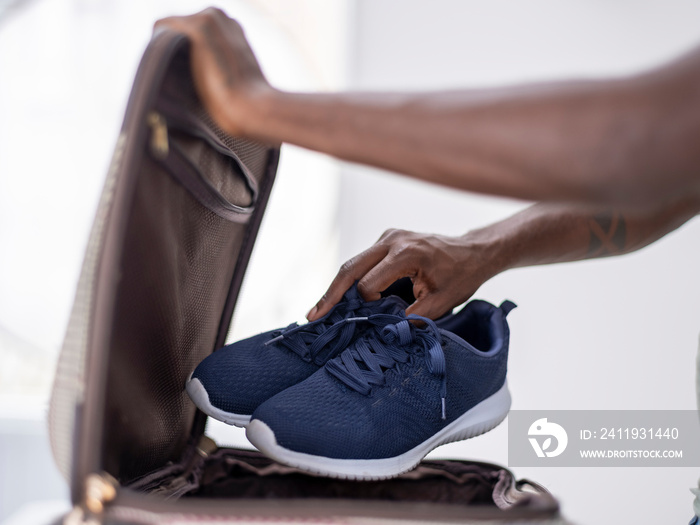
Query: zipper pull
[(206, 446), (77, 517), (100, 489), (159, 134)]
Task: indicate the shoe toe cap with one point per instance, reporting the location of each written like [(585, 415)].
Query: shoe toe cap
[(240, 376)]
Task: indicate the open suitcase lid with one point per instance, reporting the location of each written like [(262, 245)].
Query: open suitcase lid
[(173, 233)]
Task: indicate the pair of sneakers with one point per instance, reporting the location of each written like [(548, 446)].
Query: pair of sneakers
[(362, 393)]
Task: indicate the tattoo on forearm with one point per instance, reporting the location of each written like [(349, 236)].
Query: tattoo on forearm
[(608, 234)]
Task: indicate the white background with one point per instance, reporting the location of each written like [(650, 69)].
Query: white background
[(610, 334)]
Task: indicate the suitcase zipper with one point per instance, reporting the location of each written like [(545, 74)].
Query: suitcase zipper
[(192, 126), (100, 489), (172, 157)]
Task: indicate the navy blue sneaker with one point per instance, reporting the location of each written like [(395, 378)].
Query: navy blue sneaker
[(230, 383), (397, 393)]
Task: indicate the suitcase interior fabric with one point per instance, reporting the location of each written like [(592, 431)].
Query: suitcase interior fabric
[(174, 231)]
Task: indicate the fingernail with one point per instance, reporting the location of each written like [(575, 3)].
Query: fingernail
[(312, 312)]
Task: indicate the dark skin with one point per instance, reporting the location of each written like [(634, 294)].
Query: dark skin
[(446, 271), (631, 145)]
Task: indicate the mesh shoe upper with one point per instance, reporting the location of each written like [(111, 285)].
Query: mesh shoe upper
[(334, 416), (240, 376)]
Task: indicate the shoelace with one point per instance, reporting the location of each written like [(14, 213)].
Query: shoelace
[(365, 363), (323, 338)]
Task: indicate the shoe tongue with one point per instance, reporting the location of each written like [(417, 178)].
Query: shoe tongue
[(351, 301), (395, 305), (354, 305), (353, 294), (390, 304)]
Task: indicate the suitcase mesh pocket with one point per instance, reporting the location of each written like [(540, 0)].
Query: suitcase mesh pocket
[(176, 269), (176, 264), (180, 254)]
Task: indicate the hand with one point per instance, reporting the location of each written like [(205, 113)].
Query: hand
[(226, 73), (446, 271)]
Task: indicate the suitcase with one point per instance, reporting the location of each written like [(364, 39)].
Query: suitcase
[(174, 230)]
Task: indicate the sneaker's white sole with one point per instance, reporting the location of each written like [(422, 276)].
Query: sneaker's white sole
[(480, 419), (198, 395)]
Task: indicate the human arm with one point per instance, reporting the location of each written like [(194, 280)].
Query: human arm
[(622, 142), (446, 271)]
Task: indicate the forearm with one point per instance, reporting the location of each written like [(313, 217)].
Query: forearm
[(624, 142), (513, 143), (594, 142), (551, 233), (446, 270)]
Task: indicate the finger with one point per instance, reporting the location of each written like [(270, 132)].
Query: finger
[(349, 272), (194, 25), (391, 232), (383, 275), (432, 306), (176, 23)]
